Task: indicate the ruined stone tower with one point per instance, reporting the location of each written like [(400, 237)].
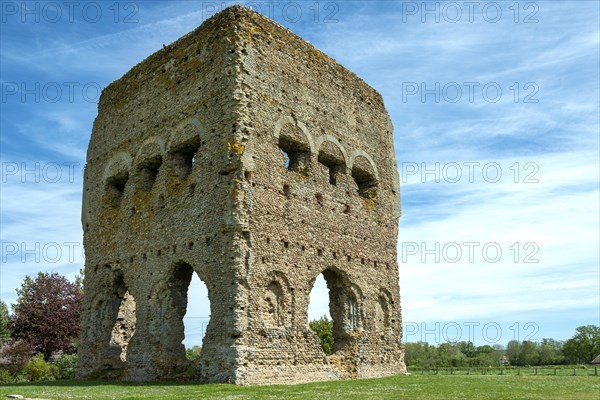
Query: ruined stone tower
[(242, 154)]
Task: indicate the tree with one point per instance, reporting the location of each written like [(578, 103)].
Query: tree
[(486, 356), (323, 327), (4, 323), (584, 345), (550, 352), (523, 353), (420, 354), (467, 348), (529, 354), (193, 353), (449, 355), (414, 353), (513, 350), (47, 313)]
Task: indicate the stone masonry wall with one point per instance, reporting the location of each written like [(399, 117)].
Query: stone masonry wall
[(244, 155), (333, 210)]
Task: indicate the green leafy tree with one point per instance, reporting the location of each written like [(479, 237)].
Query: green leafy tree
[(449, 355), (584, 346), (529, 353), (414, 353), (485, 349), (79, 279), (522, 353), (4, 323), (458, 359), (468, 349), (421, 354), (550, 352), (500, 352), (513, 350), (486, 356), (444, 353), (323, 327), (193, 353), (47, 313)]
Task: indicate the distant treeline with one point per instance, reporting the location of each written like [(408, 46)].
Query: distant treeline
[(583, 347)]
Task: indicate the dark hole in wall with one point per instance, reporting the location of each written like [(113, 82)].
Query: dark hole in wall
[(335, 165), (183, 156), (363, 173), (149, 172), (295, 152), (366, 182), (115, 186)]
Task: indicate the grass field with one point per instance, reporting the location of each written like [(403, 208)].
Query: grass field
[(560, 370), (399, 387)]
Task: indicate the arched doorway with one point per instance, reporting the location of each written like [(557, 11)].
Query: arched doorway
[(196, 317), (344, 301)]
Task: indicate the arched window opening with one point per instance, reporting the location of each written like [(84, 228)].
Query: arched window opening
[(319, 300), (172, 297), (116, 176), (344, 316), (149, 171), (184, 156), (295, 148), (115, 187), (364, 176), (196, 318), (318, 314), (332, 158)]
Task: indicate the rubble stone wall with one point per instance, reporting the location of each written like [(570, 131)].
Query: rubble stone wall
[(246, 156)]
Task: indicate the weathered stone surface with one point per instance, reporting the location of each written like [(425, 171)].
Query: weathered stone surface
[(187, 173)]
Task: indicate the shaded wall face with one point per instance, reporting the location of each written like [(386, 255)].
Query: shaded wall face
[(159, 193), (324, 197)]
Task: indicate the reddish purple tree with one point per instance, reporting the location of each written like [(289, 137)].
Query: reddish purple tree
[(47, 313)]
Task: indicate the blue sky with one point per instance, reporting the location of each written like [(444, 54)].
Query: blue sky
[(496, 113)]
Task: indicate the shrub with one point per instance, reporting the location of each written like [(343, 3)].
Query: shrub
[(66, 366), (5, 377), (39, 370), (15, 355)]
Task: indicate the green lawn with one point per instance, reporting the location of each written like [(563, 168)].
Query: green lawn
[(399, 387)]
